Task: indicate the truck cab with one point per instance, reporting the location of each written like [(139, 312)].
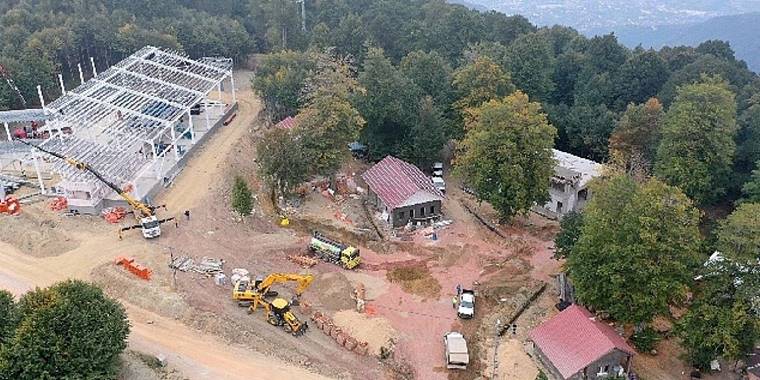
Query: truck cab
[(150, 227), (350, 257), (456, 354), (466, 308)]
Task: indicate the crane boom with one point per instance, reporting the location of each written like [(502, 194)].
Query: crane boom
[(144, 209)]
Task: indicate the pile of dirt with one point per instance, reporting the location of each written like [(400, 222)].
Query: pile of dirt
[(416, 280), (376, 331), (35, 236), (332, 292)]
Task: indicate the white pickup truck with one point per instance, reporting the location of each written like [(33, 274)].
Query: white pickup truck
[(457, 356), (466, 308)]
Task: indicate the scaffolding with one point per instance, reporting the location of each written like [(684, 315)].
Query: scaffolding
[(129, 119)]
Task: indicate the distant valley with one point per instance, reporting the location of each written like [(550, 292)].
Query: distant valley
[(649, 23)]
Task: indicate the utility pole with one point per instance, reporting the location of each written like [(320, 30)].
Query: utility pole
[(303, 14)]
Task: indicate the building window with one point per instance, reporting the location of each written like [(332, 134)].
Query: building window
[(603, 370), (411, 214), (432, 210), (401, 215), (422, 211), (559, 207), (583, 194)]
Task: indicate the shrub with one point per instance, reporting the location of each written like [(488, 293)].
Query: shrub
[(241, 197)]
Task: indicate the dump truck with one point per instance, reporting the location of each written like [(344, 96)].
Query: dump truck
[(466, 308), (334, 251), (457, 356)]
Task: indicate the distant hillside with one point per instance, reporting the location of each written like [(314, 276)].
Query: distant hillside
[(586, 15), (741, 31), (470, 5)]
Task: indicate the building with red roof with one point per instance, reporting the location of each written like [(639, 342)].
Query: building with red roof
[(402, 192), (575, 345), (286, 123)]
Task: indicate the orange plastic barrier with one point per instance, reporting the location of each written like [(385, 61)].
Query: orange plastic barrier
[(114, 215), (10, 205), (59, 204), (138, 270)]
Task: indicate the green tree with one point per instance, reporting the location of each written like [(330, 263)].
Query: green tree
[(506, 155), (570, 230), (480, 81), (70, 330), (282, 162), (530, 60), (388, 106), (430, 73), (697, 147), (8, 317), (242, 200), (748, 139), (637, 248), (637, 134), (640, 78), (426, 137), (280, 80), (751, 189), (588, 129), (708, 331), (329, 122), (739, 234)]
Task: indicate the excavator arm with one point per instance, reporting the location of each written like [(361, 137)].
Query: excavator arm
[(304, 281), (144, 209)]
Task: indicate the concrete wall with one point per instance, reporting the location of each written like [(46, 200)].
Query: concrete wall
[(568, 196), (402, 215), (615, 358)]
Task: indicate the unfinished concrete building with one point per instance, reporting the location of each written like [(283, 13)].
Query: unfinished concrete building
[(569, 185), (136, 123)]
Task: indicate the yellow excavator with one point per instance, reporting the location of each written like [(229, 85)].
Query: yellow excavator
[(278, 310), (143, 212)]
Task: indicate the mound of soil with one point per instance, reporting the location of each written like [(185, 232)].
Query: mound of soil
[(35, 236), (416, 280), (376, 331)]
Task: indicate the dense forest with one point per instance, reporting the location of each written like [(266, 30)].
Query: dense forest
[(584, 84)]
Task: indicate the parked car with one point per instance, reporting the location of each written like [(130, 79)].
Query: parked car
[(466, 308), (457, 356), (439, 184), (437, 169)]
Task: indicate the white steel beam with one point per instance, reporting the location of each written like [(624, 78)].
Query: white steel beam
[(133, 92), (190, 61), (176, 70), (120, 108)]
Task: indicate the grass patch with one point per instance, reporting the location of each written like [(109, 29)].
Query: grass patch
[(415, 280)]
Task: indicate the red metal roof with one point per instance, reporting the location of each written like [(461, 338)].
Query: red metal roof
[(287, 123), (573, 339), (395, 181)]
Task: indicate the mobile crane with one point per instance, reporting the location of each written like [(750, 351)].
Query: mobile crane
[(278, 310), (145, 214)]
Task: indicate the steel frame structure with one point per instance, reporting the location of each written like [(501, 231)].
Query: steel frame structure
[(122, 121)]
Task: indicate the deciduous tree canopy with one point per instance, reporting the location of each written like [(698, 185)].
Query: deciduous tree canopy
[(506, 155), (637, 248)]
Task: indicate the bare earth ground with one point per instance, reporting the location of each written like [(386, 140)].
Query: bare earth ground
[(409, 282)]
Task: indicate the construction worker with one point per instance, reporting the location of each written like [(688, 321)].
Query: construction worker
[(454, 302), (187, 214), (459, 289)]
